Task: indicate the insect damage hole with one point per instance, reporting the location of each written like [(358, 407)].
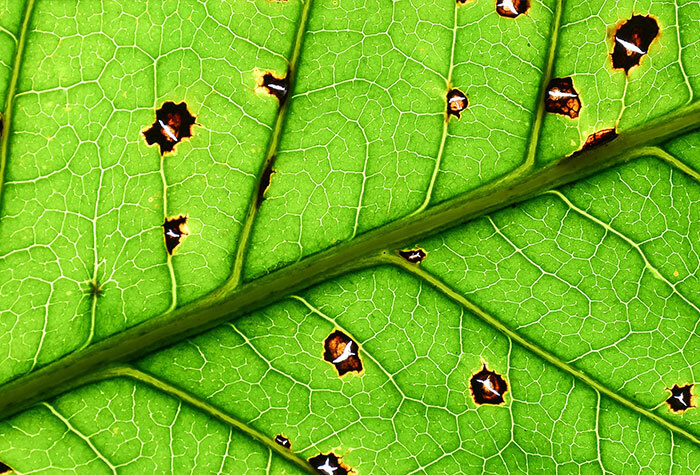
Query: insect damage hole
[(512, 8), (414, 256), (273, 85), (562, 98), (4, 468), (173, 123), (456, 102), (174, 230), (330, 464), (601, 137), (488, 387), (632, 41), (342, 352), (283, 441), (265, 181), (681, 398)]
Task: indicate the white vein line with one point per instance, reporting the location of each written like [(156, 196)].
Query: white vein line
[(680, 56), (81, 435)]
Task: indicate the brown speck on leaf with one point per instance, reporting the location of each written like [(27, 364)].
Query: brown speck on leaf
[(273, 85), (283, 441), (342, 352), (330, 464), (487, 387), (632, 40), (512, 8), (681, 398), (94, 289), (562, 98), (456, 102), (174, 230), (596, 139), (173, 123), (414, 256)]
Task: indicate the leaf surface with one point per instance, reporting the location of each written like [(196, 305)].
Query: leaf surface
[(568, 270)]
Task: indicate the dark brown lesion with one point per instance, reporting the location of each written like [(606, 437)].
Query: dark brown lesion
[(94, 289), (601, 137), (632, 41), (174, 231), (681, 398), (342, 352), (414, 256), (274, 85), (456, 102), (488, 387), (512, 8), (330, 464), (173, 123), (283, 441), (562, 98)]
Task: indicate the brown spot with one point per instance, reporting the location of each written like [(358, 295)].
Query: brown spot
[(681, 398), (414, 256), (632, 40), (596, 139), (4, 468), (512, 8), (456, 102), (265, 181), (487, 387), (278, 87), (330, 464), (562, 98), (283, 441), (342, 352), (94, 289), (174, 229), (173, 123)]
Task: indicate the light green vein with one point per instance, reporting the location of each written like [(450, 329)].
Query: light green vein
[(235, 279), (86, 439), (676, 163), (11, 91), (527, 344), (124, 371)]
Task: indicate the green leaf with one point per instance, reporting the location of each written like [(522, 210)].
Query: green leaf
[(570, 274)]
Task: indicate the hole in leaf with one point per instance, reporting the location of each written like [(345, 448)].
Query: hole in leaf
[(681, 398), (174, 230), (512, 8), (414, 256), (487, 387), (596, 139), (278, 87), (330, 464), (456, 102), (342, 352), (283, 441), (632, 41), (4, 468), (265, 180), (173, 123), (562, 98)]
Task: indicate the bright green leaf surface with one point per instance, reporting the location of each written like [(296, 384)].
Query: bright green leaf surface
[(584, 294)]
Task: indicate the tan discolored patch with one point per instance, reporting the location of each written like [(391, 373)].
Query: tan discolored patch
[(512, 8), (269, 83), (330, 464), (681, 398), (173, 124), (631, 41), (562, 98), (342, 352), (488, 387), (456, 102), (414, 256), (596, 139), (175, 230)]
